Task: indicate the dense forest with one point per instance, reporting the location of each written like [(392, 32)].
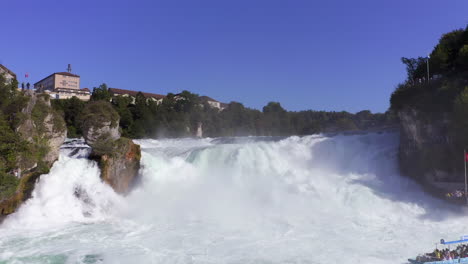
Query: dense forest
[(179, 116)]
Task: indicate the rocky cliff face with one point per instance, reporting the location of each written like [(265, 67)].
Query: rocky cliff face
[(120, 168), (118, 158), (100, 120), (427, 151), (93, 133), (44, 130), (43, 127)]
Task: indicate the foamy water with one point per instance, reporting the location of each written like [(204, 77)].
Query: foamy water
[(313, 199)]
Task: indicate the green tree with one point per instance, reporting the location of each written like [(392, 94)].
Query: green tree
[(101, 93), (460, 114), (414, 68), (462, 59), (71, 110)]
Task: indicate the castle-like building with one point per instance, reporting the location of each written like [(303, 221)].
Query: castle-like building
[(62, 85)]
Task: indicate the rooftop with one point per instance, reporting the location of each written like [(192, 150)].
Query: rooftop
[(59, 73), (207, 98), (67, 74), (134, 93)]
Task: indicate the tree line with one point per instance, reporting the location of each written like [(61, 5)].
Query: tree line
[(180, 115), (447, 71)]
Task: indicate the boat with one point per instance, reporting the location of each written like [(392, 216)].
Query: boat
[(431, 259)]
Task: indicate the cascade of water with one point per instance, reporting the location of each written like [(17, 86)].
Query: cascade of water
[(310, 199)]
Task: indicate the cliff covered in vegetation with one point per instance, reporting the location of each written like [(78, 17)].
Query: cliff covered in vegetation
[(31, 133), (433, 113)]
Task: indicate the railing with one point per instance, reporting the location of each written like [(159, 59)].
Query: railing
[(453, 261)]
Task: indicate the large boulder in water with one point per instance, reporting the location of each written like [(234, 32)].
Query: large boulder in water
[(120, 167), (100, 122), (118, 158)]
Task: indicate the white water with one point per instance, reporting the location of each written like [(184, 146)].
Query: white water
[(313, 199)]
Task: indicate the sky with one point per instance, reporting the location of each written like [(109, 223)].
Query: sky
[(320, 55)]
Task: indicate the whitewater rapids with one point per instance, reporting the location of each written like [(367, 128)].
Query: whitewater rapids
[(313, 199)]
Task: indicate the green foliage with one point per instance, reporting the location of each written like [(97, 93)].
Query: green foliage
[(71, 109), (462, 59), (104, 145), (40, 112), (445, 56), (460, 113), (415, 68), (97, 113), (11, 145), (101, 93), (441, 103), (38, 115), (179, 116), (8, 185), (448, 69)]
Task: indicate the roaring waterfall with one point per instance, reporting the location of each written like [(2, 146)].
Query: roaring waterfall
[(312, 199)]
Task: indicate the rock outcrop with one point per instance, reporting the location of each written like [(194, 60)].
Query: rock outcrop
[(100, 120), (118, 157), (43, 131), (427, 151), (43, 125), (120, 168)]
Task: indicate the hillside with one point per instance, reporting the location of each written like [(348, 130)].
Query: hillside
[(433, 113)]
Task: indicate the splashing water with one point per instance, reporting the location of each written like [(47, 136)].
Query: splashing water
[(313, 199)]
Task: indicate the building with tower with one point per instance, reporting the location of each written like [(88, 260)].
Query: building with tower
[(62, 85)]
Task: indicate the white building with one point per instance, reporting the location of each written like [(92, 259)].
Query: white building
[(212, 102), (62, 85)]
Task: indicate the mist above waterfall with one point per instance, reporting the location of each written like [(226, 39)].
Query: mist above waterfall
[(234, 200)]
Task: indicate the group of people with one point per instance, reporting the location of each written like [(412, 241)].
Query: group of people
[(455, 194), (460, 251)]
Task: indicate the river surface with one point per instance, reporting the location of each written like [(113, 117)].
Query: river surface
[(312, 199)]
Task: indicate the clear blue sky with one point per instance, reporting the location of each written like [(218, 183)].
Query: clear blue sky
[(320, 55)]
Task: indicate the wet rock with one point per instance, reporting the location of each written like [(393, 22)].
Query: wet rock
[(120, 168), (118, 158)]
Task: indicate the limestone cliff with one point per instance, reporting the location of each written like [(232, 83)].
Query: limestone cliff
[(120, 168), (42, 127), (428, 152), (43, 132)]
